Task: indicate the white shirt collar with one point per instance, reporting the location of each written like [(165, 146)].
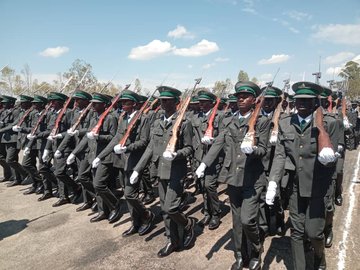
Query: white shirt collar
[(131, 116), (168, 119), (307, 119), (244, 116), (208, 112)]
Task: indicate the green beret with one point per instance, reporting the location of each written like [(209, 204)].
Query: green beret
[(167, 92), (247, 87), (353, 102), (143, 99), (326, 92), (130, 95), (101, 98), (24, 98), (290, 98), (306, 90), (223, 100), (271, 92), (57, 96), (206, 95), (8, 99), (153, 98), (232, 98), (82, 95), (194, 100)]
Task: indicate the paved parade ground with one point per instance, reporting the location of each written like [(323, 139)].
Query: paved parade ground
[(35, 235)]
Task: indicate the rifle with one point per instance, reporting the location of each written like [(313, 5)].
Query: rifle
[(86, 110), (44, 112), (323, 137), (173, 140), (133, 121), (54, 131), (27, 112), (276, 117), (250, 135), (210, 128), (97, 127), (151, 106)]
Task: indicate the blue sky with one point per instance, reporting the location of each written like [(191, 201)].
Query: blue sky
[(177, 41)]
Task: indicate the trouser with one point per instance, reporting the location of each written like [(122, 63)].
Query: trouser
[(211, 197), (12, 158), (29, 165), (136, 207), (307, 216), (350, 140), (64, 180), (244, 203), (170, 193), (6, 168), (145, 182), (104, 182), (339, 174), (48, 177), (85, 178)]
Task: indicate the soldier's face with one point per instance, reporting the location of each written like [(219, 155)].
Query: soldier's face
[(324, 103), (168, 104), (99, 107), (233, 106), (8, 105), (206, 105), (25, 105), (269, 104), (38, 106), (354, 106), (245, 101), (56, 105), (305, 106), (128, 105), (80, 103)]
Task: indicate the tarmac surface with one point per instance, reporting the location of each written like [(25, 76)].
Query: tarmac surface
[(35, 235)]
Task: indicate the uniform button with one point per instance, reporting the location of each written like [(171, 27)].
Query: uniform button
[(238, 156), (300, 157), (300, 169), (301, 146)]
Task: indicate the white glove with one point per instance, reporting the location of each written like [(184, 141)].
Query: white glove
[(169, 155), (207, 140), (326, 156), (46, 156), (58, 136), (340, 148), (346, 122), (247, 147), (70, 160), (50, 138), (119, 149), (72, 132), (91, 135), (26, 151), (271, 193), (273, 137), (95, 163), (57, 154), (134, 177), (16, 128), (200, 171), (30, 137)]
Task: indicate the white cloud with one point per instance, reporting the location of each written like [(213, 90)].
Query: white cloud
[(287, 25), (153, 49), (54, 52), (356, 59), (297, 15), (204, 47), (250, 10), (274, 59), (339, 57), (333, 70), (220, 59), (180, 32), (348, 34), (207, 66), (190, 66)]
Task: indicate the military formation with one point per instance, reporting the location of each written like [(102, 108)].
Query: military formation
[(273, 152)]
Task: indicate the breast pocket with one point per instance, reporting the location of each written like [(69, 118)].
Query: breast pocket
[(288, 139)]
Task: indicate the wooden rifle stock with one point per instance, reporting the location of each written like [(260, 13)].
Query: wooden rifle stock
[(151, 106), (81, 117), (28, 111), (210, 128), (41, 118), (55, 129), (101, 120), (171, 146), (323, 136), (133, 121)]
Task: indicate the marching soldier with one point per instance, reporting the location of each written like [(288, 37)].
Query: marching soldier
[(243, 172), (311, 184), (6, 169), (93, 144), (171, 171), (233, 107), (9, 137), (202, 144), (66, 144)]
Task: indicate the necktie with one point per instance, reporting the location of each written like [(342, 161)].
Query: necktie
[(302, 124)]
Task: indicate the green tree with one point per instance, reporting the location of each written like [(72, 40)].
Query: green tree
[(243, 76), (77, 71), (7, 79), (351, 72)]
